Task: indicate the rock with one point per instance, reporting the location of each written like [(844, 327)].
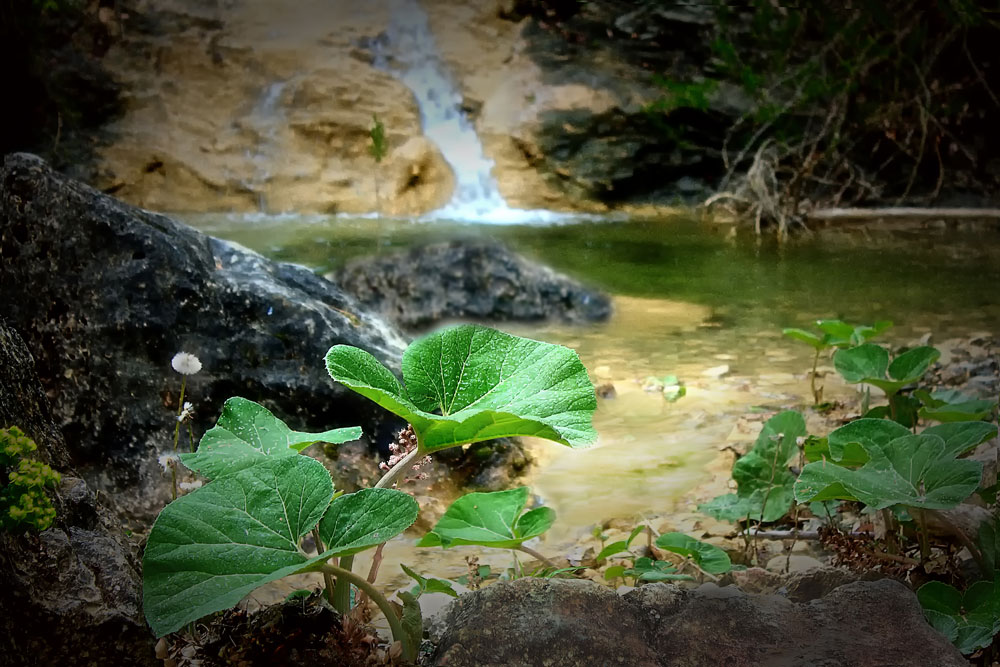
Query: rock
[(419, 178), (72, 593), (716, 372), (106, 294), (479, 280), (793, 563), (574, 622)]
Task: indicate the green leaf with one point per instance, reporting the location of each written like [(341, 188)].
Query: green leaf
[(619, 547), (961, 437), (912, 364), (413, 624), (211, 547), (357, 521), (486, 384), (837, 332), (728, 507), (429, 585), (949, 405), (490, 520), (969, 621), (857, 364), (708, 557), (805, 337), (988, 540), (248, 433), (856, 438), (913, 470), (614, 572), (869, 363), (647, 569)]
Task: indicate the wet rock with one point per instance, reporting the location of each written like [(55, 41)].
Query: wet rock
[(478, 280), (105, 294), (573, 622), (72, 593)]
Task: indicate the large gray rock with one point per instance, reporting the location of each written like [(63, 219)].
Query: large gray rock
[(574, 622), (479, 280), (71, 595), (105, 294)]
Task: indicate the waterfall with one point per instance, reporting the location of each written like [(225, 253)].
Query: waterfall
[(264, 120), (407, 51)]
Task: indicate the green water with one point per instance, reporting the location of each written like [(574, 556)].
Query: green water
[(943, 274), (688, 297)]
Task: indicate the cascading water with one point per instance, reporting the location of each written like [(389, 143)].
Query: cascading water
[(407, 51), (264, 120)]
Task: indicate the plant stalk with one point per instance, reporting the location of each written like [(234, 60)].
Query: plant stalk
[(404, 465), (342, 588), (328, 583), (537, 556), (812, 378), (380, 601)]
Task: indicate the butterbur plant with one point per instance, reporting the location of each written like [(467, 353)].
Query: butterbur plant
[(869, 364), (245, 527), (833, 334), (469, 383)]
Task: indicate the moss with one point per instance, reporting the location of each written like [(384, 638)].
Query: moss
[(24, 504)]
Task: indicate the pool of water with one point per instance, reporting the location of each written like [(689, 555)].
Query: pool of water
[(689, 298)]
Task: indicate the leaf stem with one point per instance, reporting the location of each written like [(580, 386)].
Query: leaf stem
[(537, 556), (380, 601), (327, 578), (342, 589)]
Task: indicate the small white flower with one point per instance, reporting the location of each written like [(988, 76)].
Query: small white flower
[(191, 486), (167, 461), (185, 363), (187, 412)]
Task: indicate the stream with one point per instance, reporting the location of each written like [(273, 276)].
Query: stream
[(691, 299)]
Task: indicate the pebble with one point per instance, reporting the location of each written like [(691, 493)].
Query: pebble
[(716, 372)]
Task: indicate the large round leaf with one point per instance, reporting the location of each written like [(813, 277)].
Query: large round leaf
[(211, 547), (246, 434), (913, 470), (708, 557), (363, 519), (490, 520), (471, 383)]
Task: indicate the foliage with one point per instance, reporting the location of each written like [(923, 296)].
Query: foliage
[(428, 584), (494, 519), (968, 620), (211, 547), (913, 470), (851, 103), (834, 334), (244, 528), (246, 434), (708, 557), (24, 504), (469, 383), (764, 483)]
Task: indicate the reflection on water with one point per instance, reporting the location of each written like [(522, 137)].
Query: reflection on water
[(688, 299)]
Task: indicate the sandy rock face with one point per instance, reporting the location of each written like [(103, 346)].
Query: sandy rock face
[(263, 106)]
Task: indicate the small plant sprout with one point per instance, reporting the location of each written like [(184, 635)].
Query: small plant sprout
[(869, 364), (378, 151), (833, 334), (186, 364)]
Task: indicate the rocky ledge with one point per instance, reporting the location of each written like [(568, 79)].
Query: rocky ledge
[(559, 622), (477, 280)]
